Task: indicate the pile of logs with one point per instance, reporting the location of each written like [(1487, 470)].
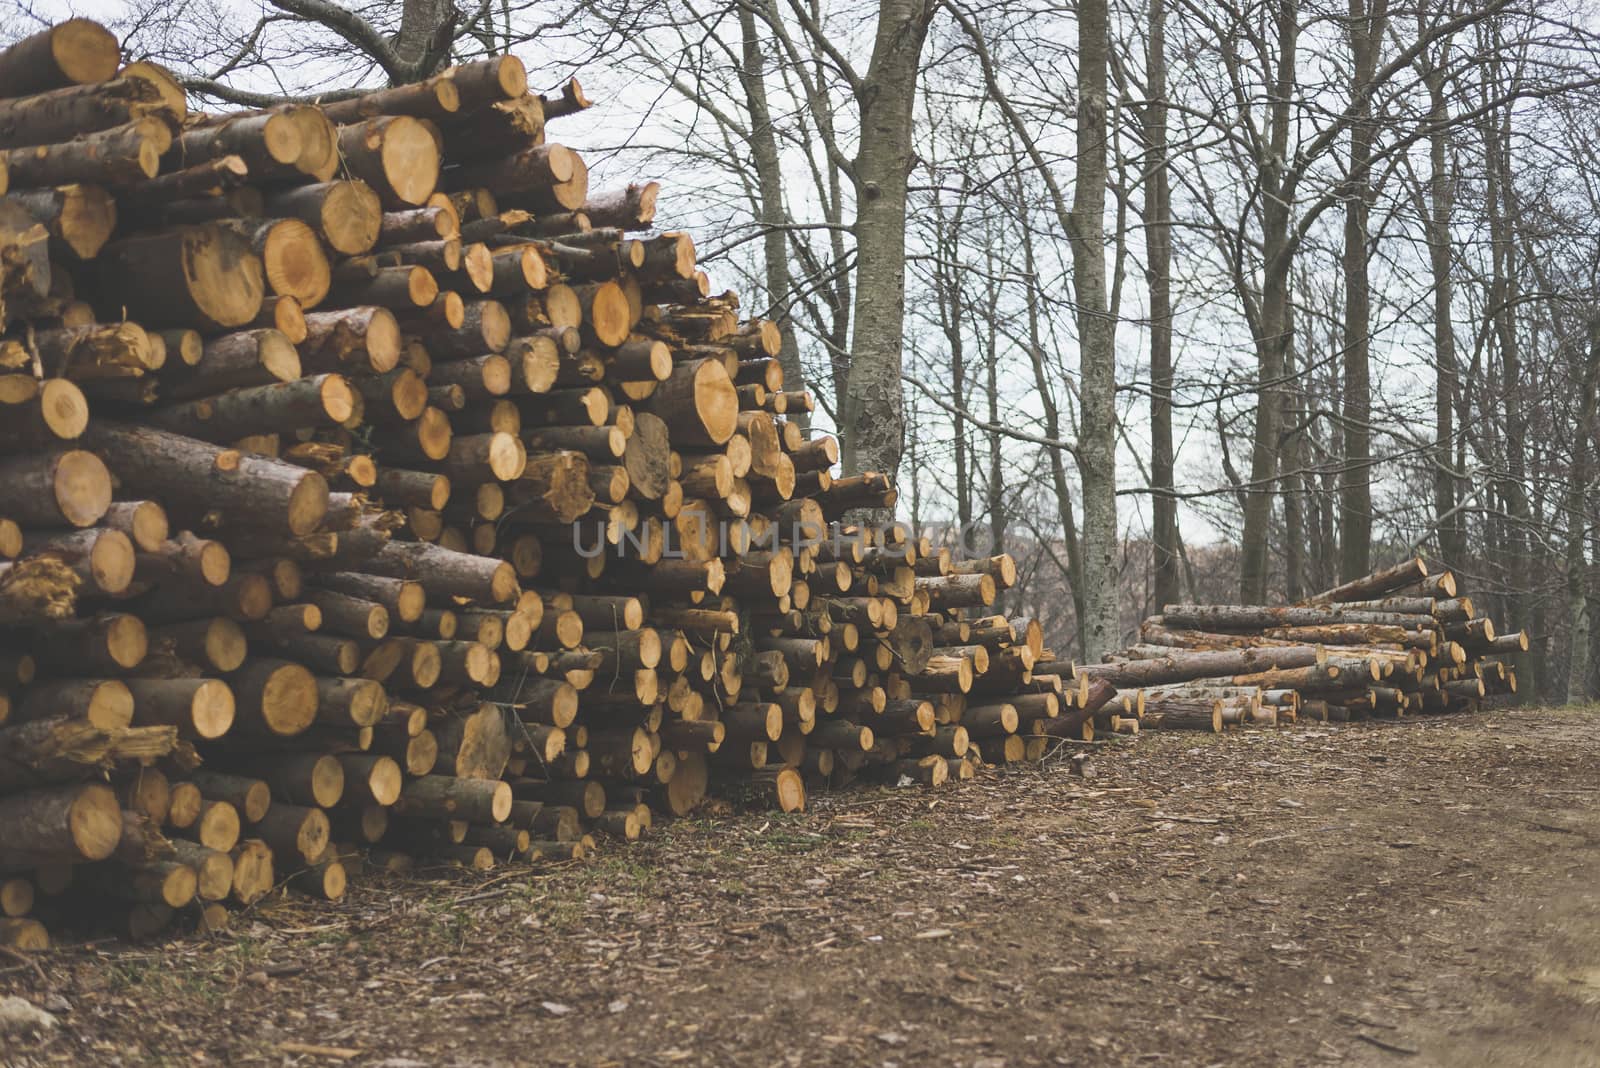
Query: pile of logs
[(431, 509), (1398, 642)]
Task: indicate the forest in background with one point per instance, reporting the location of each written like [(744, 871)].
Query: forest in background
[(1172, 300)]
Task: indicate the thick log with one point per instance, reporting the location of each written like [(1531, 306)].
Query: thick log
[(55, 487), (292, 259), (238, 490), (198, 708), (295, 833), (121, 156), (632, 207), (270, 142), (79, 218), (316, 401), (396, 155), (275, 696), (348, 214), (192, 276), (79, 822), (1183, 666), (448, 574), (1383, 581), (698, 404), (74, 52), (446, 797)]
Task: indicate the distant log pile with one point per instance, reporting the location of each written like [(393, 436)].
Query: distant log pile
[(1397, 642), (431, 510)]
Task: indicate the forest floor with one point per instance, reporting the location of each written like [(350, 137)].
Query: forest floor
[(1422, 892)]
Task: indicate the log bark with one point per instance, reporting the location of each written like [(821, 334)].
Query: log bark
[(121, 156), (1383, 581), (282, 407), (448, 574)]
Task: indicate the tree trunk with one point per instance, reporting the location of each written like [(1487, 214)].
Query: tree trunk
[(1441, 203), (1097, 437), (872, 407), (1058, 468), (1366, 31), (1158, 275), (770, 210), (423, 43), (1273, 326)]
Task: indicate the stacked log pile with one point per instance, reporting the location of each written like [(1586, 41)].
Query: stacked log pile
[(1398, 642), (431, 508)]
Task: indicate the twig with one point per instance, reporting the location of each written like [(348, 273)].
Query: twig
[(28, 960), (1390, 1046)]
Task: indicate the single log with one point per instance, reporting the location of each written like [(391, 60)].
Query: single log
[(355, 339), (348, 214), (252, 871), (237, 489), (1380, 582), (216, 644), (396, 155), (317, 401), (371, 778), (193, 276), (446, 797), (108, 644), (198, 708), (632, 207), (292, 259), (435, 98), (276, 696), (403, 598), (106, 704), (783, 788), (55, 487), (250, 796), (296, 834), (145, 522), (215, 183), (249, 358), (448, 574), (216, 826), (78, 822), (270, 142), (698, 403), (1181, 666), (80, 218), (1189, 714), (74, 52)]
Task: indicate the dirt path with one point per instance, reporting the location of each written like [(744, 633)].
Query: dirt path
[(1420, 894)]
